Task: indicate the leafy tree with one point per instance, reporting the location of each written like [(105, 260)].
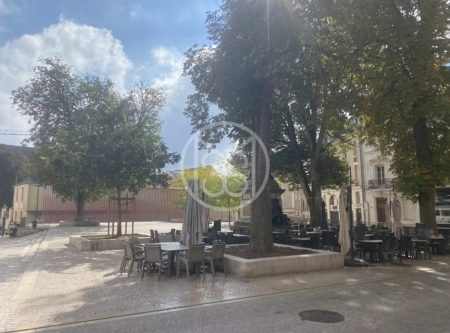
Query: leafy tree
[(14, 167), (402, 46), (234, 74), (213, 184), (62, 106), (299, 83), (131, 152)]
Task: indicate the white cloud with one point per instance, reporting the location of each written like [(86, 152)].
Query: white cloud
[(170, 64), (83, 47)]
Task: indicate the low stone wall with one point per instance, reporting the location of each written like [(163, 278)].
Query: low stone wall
[(85, 244), (319, 260)]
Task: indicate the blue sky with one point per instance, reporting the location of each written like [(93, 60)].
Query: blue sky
[(128, 41)]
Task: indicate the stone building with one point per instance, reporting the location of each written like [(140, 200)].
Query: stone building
[(372, 187), (372, 191), (27, 202)]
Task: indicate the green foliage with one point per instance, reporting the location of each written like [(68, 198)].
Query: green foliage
[(402, 46), (223, 191), (299, 48), (88, 138), (62, 107), (131, 152), (14, 167)]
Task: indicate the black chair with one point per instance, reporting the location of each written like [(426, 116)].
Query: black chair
[(406, 247), (390, 248), (360, 233), (330, 240), (314, 241)]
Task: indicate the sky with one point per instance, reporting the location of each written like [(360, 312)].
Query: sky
[(129, 41)]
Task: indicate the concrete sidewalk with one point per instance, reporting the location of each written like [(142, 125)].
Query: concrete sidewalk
[(45, 283)]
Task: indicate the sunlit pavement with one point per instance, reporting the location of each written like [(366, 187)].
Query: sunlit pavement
[(46, 284)]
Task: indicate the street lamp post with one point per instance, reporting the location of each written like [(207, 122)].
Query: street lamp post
[(350, 212)]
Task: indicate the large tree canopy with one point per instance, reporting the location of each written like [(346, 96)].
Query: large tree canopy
[(131, 152), (90, 139), (62, 106), (402, 47), (292, 56)]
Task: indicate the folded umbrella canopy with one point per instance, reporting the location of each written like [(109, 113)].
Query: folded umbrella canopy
[(196, 216), (397, 212)]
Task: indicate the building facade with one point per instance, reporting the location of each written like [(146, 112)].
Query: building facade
[(372, 192), (27, 203), (372, 187)]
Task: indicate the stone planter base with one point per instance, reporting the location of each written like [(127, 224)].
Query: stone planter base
[(319, 260), (85, 244)]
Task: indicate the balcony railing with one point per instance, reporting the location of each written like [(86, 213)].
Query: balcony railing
[(381, 183)]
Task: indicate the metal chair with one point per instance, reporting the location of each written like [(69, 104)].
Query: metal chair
[(194, 255), (127, 256), (166, 238), (406, 246), (153, 258), (217, 253), (133, 256)]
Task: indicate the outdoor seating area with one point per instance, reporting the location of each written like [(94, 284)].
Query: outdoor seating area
[(379, 244), (164, 253)]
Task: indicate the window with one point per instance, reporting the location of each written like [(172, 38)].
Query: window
[(332, 200), (445, 212), (380, 175), (358, 199), (21, 194), (355, 173)]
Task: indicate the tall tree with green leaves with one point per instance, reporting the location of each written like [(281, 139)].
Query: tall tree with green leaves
[(131, 152), (14, 168), (402, 47), (314, 93), (286, 61), (223, 191), (62, 107), (233, 72)]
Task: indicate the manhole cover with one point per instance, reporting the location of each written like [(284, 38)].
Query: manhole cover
[(321, 316)]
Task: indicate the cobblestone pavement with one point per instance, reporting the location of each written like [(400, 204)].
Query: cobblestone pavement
[(44, 282)]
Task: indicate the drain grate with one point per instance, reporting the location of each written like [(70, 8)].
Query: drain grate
[(321, 316)]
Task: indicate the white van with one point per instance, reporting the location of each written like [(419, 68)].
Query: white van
[(443, 214)]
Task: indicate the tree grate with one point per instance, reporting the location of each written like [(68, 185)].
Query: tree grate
[(321, 316)]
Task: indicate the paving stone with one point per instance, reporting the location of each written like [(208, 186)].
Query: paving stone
[(46, 282)]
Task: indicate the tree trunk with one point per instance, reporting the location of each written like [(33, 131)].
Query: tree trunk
[(315, 204), (119, 214), (427, 209), (80, 202), (261, 209), (425, 161)]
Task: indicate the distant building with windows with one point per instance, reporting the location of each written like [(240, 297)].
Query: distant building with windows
[(372, 191), (372, 187)]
